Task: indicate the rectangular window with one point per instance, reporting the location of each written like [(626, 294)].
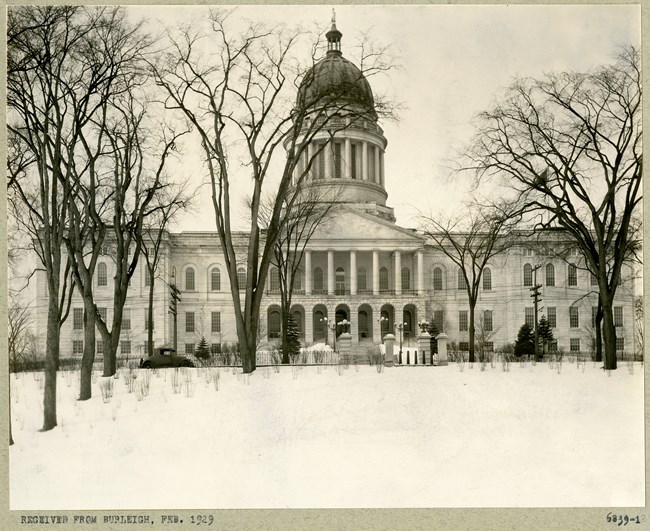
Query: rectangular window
[(216, 322), (528, 252), (574, 344), (487, 321), (594, 280), (551, 316), (488, 346), (77, 347), (461, 280), (125, 347), (99, 346), (618, 315), (189, 348), (189, 321), (439, 320), (594, 311), (530, 316), (463, 346), (337, 160), (320, 164), (462, 321), (77, 318), (103, 313), (620, 343), (574, 317), (573, 275), (353, 162), (552, 345), (126, 319), (147, 277), (371, 163), (215, 348)]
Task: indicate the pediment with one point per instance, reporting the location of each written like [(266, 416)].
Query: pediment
[(348, 228)]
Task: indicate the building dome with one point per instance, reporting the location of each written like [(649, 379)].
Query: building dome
[(334, 78)]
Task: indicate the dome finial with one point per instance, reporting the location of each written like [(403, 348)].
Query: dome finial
[(334, 36)]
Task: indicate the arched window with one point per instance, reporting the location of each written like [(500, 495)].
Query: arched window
[(437, 278), (487, 279), (550, 275), (189, 279), (215, 279), (319, 324), (102, 274), (275, 324), (362, 283), (275, 279), (461, 279), (385, 322), (241, 278), (528, 275), (318, 279), (406, 278), (383, 279), (340, 281), (147, 277)]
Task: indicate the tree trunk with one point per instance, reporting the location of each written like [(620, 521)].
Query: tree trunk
[(88, 359), (150, 318), (247, 350), (609, 332), (51, 363), (598, 331), (285, 338), (471, 332)]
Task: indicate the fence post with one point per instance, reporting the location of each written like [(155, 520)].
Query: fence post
[(389, 343), (424, 341), (442, 348)]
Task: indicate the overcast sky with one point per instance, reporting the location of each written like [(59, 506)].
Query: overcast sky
[(455, 60)]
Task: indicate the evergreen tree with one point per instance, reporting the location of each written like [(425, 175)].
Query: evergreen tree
[(545, 333), (525, 344), (202, 351), (292, 345)]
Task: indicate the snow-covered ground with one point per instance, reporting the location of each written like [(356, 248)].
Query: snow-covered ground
[(311, 437)]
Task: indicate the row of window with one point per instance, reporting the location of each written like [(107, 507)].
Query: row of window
[(574, 316), (574, 345), (215, 322), (572, 275), (78, 318)]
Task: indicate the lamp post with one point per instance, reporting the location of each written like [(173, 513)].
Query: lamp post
[(424, 326), (382, 320), (330, 326), (346, 326)]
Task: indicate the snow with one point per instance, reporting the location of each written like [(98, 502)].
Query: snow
[(451, 436)]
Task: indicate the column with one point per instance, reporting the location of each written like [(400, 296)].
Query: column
[(308, 273), (348, 159), (353, 273), (327, 153), (398, 273), (364, 160), (377, 176), (375, 272), (330, 272), (420, 259)]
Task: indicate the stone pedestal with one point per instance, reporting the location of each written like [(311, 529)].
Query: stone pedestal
[(389, 342), (424, 347), (442, 348), (344, 343)]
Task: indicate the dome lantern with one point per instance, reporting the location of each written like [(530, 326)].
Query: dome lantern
[(333, 37)]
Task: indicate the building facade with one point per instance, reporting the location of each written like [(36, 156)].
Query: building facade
[(360, 266)]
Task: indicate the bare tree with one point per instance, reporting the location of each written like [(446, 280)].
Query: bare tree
[(569, 146), (311, 211), (53, 88), (639, 314), (239, 103), (470, 241), (168, 204)]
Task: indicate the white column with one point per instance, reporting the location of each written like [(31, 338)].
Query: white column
[(420, 259), (364, 160), (353, 273), (375, 272), (308, 273), (327, 153), (398, 273), (330, 272), (348, 158), (377, 176)]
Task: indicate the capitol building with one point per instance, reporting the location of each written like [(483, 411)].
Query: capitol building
[(360, 266)]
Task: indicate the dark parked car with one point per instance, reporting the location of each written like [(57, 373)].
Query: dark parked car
[(165, 357)]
